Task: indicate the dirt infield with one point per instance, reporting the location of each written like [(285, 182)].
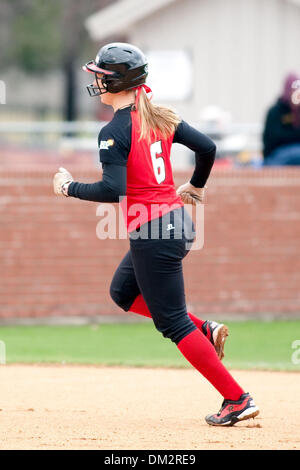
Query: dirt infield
[(78, 407)]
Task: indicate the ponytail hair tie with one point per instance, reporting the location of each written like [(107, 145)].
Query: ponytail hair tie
[(139, 91)]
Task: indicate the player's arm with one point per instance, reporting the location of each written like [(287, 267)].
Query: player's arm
[(205, 153), (114, 143), (112, 186)]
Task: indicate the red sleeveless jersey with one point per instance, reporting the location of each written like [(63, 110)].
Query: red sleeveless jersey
[(150, 191)]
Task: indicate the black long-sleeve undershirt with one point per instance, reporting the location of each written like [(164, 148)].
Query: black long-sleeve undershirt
[(204, 148), (112, 186)]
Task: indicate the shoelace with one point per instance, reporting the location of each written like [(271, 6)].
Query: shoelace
[(221, 409)]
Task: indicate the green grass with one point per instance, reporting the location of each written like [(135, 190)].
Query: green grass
[(251, 345)]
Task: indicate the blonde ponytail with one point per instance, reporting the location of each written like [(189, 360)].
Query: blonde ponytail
[(155, 117)]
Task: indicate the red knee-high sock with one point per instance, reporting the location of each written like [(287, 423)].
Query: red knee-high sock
[(198, 322), (197, 349), (139, 306)]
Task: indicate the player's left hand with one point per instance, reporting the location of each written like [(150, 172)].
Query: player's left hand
[(61, 181), (190, 194)]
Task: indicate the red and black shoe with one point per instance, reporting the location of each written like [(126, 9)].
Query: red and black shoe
[(217, 334), (232, 411)]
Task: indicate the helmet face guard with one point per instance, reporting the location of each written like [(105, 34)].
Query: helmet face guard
[(97, 90), (101, 87), (123, 67)]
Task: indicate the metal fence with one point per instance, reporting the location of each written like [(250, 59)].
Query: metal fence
[(241, 142)]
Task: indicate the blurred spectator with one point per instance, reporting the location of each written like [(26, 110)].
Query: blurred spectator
[(281, 136)]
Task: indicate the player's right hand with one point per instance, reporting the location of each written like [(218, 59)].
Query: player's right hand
[(60, 181), (190, 194)]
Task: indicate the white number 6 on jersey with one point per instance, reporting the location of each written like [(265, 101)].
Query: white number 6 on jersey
[(158, 162)]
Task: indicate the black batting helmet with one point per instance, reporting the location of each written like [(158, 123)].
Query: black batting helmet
[(124, 67)]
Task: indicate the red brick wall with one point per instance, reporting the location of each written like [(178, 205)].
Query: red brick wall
[(53, 263)]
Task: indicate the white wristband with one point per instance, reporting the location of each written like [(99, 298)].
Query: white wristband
[(64, 188)]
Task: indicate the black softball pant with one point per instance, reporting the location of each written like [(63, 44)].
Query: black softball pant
[(153, 267)]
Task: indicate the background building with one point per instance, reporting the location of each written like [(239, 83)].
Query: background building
[(238, 51)]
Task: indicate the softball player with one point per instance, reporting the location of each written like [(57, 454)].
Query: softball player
[(134, 151)]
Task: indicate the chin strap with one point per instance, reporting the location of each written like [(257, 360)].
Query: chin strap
[(139, 91)]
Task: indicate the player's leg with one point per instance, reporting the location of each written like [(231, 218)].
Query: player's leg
[(139, 306), (215, 332), (158, 269), (124, 288), (126, 294)]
